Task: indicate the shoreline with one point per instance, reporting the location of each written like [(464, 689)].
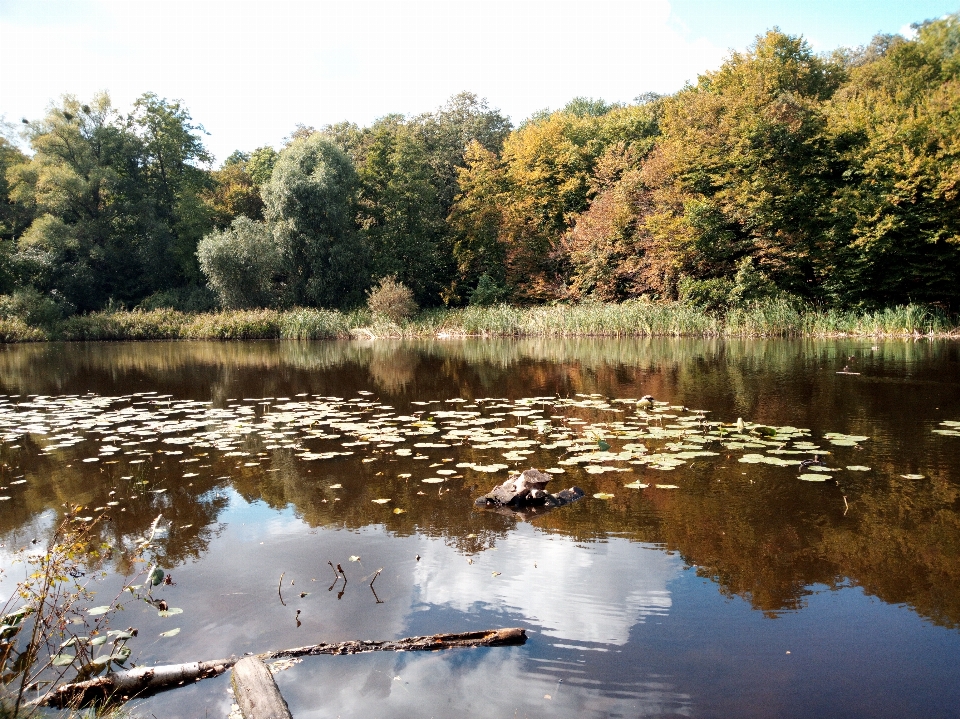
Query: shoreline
[(777, 319)]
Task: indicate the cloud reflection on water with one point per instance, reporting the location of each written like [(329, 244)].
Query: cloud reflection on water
[(582, 593)]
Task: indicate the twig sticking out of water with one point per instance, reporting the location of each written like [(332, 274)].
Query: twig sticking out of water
[(279, 587)]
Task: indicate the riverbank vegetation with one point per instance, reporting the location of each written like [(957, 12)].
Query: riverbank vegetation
[(774, 318), (785, 193)]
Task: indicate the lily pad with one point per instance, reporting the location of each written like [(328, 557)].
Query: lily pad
[(603, 495), (171, 633), (815, 477), (858, 468), (636, 485), (912, 476), (380, 501), (97, 611)]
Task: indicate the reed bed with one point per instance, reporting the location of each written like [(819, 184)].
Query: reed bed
[(775, 318)]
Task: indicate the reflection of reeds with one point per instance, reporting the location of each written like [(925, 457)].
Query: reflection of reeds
[(775, 318)]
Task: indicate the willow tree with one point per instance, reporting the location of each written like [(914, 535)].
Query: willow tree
[(309, 204)]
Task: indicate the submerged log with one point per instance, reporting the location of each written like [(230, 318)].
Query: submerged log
[(143, 681), (256, 691)]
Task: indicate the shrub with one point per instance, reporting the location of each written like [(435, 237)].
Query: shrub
[(488, 292), (392, 300), (241, 264), (33, 308), (182, 299), (712, 295)]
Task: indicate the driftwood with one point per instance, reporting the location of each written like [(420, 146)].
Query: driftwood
[(143, 681), (256, 691)]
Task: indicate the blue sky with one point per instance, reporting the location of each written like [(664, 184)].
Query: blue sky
[(250, 70)]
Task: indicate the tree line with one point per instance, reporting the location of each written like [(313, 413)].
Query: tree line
[(830, 179)]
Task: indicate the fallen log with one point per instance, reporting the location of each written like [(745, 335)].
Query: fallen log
[(144, 681), (256, 691)]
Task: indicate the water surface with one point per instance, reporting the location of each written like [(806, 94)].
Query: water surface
[(735, 589)]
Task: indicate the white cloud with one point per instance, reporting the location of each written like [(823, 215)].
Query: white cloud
[(250, 70)]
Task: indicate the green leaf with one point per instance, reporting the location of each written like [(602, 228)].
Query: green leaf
[(97, 611), (156, 576), (171, 633), (97, 641), (170, 612), (121, 655), (62, 660)]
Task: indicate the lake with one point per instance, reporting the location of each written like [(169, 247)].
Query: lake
[(699, 576)]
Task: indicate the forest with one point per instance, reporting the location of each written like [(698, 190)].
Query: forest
[(823, 180)]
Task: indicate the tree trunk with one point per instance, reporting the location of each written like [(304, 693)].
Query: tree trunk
[(142, 681)]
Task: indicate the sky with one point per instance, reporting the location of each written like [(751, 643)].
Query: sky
[(250, 70)]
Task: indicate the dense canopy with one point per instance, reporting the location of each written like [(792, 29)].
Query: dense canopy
[(830, 179)]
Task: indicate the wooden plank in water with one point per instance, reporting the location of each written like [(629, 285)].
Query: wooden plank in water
[(257, 692)]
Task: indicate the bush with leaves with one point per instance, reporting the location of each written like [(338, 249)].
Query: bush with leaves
[(391, 299), (34, 308), (242, 264), (488, 292), (182, 299)]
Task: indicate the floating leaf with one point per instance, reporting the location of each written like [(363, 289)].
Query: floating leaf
[(399, 511), (666, 486), (912, 476), (62, 660), (815, 477), (355, 558), (858, 468), (97, 641), (380, 501), (170, 612), (636, 485), (97, 611), (171, 633), (603, 495)]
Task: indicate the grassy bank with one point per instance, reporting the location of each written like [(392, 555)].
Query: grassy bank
[(631, 319)]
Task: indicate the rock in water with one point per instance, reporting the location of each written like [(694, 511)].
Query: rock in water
[(527, 490), (519, 488)]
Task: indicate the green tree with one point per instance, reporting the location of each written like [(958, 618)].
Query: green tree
[(896, 125), (309, 203), (87, 241), (171, 150), (399, 209), (260, 165)]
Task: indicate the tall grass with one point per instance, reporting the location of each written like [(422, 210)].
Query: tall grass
[(774, 318)]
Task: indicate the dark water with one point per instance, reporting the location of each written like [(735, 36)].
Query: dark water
[(743, 591)]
